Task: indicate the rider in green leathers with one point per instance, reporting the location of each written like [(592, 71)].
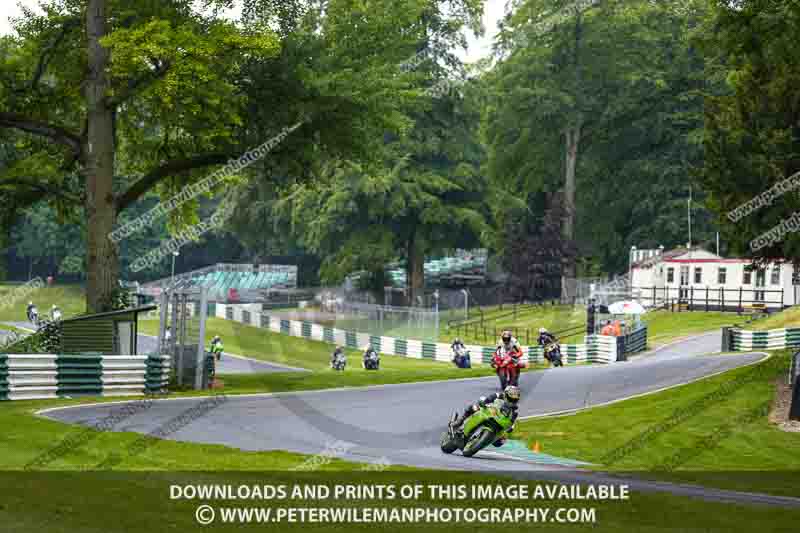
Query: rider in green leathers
[(216, 347), (510, 397)]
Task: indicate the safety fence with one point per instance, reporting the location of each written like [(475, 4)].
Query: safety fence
[(595, 349), (33, 377), (739, 340)]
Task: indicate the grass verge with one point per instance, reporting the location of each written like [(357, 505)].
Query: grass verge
[(712, 432)]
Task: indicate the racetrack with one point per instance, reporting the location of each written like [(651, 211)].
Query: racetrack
[(401, 424)]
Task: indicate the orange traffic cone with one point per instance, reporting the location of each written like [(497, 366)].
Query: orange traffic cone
[(535, 447)]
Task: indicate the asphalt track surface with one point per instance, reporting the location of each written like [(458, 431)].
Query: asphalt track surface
[(401, 424)]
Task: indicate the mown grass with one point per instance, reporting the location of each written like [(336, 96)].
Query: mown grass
[(718, 442), (665, 326), (789, 318), (524, 324), (69, 298)]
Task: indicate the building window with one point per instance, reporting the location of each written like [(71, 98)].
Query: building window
[(776, 276), (722, 276), (698, 274), (670, 275), (748, 277)]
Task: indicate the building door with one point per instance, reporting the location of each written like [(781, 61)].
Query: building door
[(761, 277), (683, 292)]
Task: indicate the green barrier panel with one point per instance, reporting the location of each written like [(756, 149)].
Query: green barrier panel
[(400, 347), (428, 350), (487, 354), (305, 329), (375, 341), (284, 326), (327, 334), (350, 339)]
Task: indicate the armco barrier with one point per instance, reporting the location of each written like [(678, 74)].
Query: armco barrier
[(774, 339), (596, 349), (42, 376)]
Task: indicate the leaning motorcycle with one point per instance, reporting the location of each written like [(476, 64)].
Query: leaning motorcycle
[(372, 361), (489, 425), (339, 362), (507, 368), (462, 358), (552, 352)]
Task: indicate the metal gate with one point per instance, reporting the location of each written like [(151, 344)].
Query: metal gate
[(181, 334)]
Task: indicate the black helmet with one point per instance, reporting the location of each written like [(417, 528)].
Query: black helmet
[(511, 394), (506, 336)]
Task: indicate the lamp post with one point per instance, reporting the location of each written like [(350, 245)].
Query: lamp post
[(466, 303), (436, 310), (174, 255), (630, 266)]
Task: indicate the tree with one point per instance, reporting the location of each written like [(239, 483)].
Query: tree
[(752, 121), (536, 252), (428, 195), (145, 97), (127, 66), (569, 84)]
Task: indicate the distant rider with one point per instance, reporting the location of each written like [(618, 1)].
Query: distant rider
[(370, 358), (30, 310), (510, 397), (460, 355), (545, 337), (55, 313), (216, 347), (337, 355)]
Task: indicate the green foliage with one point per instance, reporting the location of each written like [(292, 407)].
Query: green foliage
[(752, 118), (46, 340), (624, 72)]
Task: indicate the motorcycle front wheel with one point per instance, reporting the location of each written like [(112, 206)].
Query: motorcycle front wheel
[(447, 444), (478, 441)]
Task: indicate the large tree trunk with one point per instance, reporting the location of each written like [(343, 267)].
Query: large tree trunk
[(573, 139), (415, 268), (103, 261)]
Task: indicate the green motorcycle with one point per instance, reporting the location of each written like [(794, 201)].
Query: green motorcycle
[(488, 425)]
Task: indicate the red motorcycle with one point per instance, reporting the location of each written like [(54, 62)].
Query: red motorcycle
[(508, 366)]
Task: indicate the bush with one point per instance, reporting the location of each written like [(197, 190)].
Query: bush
[(46, 340)]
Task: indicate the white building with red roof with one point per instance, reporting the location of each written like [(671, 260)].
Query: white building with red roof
[(705, 280)]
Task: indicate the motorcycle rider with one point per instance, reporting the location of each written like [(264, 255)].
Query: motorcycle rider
[(460, 356), (55, 313), (216, 347), (370, 358), (545, 337), (510, 397), (510, 345), (29, 312), (337, 355)]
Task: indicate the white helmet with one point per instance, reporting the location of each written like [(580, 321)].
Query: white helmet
[(542, 330)]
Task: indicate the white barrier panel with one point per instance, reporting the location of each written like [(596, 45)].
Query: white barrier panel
[(387, 345), (414, 349)]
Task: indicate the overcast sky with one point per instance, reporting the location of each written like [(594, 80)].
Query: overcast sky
[(478, 48)]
